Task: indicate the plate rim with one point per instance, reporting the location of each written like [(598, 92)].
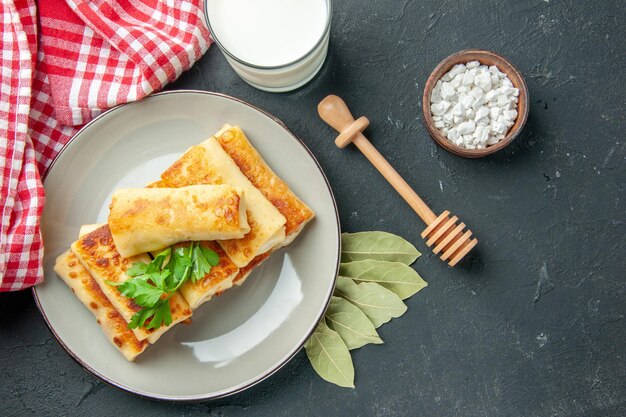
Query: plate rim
[(282, 362)]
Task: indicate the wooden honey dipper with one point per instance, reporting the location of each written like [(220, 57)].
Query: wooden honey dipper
[(443, 232)]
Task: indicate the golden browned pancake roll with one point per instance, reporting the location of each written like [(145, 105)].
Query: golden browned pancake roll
[(219, 279), (253, 166), (97, 253), (147, 219), (208, 163), (90, 294)]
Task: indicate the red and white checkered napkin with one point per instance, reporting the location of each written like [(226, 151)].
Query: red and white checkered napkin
[(87, 57)]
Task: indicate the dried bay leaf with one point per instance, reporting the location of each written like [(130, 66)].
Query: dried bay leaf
[(395, 276), (380, 278), (330, 356), (377, 302), (351, 323), (380, 246)]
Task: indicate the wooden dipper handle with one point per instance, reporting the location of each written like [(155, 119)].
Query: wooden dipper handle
[(334, 111), (447, 238)]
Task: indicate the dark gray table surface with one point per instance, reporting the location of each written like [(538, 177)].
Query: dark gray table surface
[(533, 323)]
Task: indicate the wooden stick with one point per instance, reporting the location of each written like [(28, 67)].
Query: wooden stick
[(333, 110), (441, 230)]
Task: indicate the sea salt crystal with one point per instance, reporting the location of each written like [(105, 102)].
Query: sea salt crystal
[(468, 78), (507, 91), (481, 133), (457, 69), (482, 112), (458, 110), (484, 121), (478, 103), (503, 100), (447, 91), (456, 81), (467, 101), (435, 96), (498, 127), (483, 81), (477, 92), (453, 135), (473, 105), (491, 95), (510, 114), (440, 107), (466, 127)]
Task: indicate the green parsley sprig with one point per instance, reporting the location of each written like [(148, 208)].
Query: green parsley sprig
[(153, 284)]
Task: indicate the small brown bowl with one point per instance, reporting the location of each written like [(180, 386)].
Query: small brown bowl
[(486, 58)]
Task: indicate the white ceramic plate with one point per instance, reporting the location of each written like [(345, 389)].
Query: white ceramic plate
[(235, 340)]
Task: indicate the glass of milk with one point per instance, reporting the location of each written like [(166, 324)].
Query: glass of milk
[(274, 45)]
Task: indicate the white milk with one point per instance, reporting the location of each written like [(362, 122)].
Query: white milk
[(275, 45)]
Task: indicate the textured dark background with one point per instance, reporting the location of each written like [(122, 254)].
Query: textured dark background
[(531, 325)]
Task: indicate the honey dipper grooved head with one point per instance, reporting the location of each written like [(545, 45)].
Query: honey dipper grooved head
[(449, 238)]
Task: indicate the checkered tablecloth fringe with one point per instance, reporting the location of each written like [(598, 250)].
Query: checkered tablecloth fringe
[(83, 58)]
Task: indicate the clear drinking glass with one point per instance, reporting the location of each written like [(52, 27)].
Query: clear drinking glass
[(273, 45)]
